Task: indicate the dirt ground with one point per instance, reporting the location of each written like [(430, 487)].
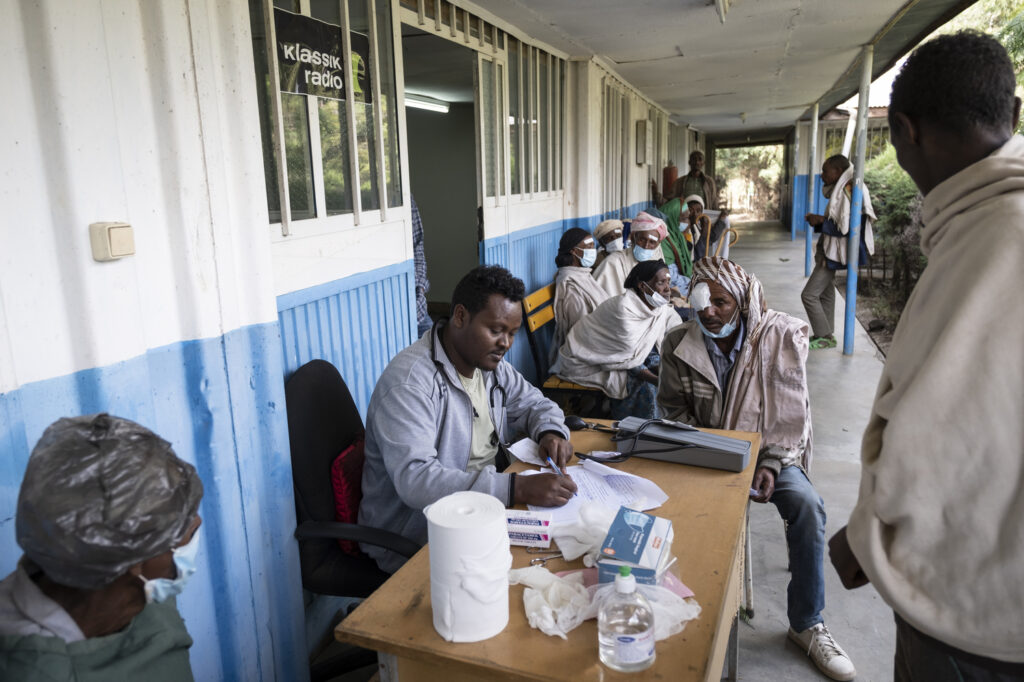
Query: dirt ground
[(878, 329)]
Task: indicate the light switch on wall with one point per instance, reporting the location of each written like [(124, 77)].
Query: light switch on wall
[(111, 241)]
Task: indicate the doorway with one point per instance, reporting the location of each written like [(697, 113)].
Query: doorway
[(442, 157)]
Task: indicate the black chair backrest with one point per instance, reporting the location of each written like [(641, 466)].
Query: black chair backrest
[(322, 421)]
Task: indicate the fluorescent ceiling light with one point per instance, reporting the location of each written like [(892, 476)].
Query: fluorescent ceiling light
[(424, 102)]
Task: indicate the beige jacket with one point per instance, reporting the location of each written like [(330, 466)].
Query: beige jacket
[(939, 524), (767, 389)]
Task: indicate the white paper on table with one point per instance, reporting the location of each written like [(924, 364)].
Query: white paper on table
[(527, 451), (606, 486)]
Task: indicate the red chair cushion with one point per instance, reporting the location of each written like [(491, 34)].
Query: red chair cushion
[(347, 482)]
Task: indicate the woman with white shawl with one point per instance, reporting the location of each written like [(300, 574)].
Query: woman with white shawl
[(576, 292), (616, 348)]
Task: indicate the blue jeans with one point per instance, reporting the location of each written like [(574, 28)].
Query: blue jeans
[(804, 513)]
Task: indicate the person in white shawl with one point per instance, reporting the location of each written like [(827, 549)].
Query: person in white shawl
[(616, 348), (576, 292), (646, 234), (819, 294), (938, 527)]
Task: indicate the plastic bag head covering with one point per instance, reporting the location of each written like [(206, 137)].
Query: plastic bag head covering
[(101, 494)]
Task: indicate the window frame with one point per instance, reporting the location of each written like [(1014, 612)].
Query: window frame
[(321, 222)]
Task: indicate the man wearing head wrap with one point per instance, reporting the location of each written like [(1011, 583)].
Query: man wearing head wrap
[(576, 292), (107, 517), (741, 366), (608, 234), (704, 227), (616, 347), (645, 235)]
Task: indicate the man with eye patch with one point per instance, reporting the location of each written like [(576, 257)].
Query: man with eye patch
[(740, 366)]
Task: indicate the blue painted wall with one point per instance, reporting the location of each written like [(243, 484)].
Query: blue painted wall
[(357, 323), (800, 201), (220, 403)]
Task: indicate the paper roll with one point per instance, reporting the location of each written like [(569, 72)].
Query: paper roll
[(469, 563)]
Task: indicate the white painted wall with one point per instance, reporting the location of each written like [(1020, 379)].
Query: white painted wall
[(130, 112), (442, 176)]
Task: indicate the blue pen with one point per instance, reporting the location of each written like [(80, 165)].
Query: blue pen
[(557, 470)]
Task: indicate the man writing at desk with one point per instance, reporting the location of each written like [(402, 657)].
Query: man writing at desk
[(741, 366), (442, 406)]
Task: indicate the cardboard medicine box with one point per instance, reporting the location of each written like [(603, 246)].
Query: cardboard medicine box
[(640, 541)]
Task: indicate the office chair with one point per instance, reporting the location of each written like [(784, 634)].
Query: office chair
[(323, 422)]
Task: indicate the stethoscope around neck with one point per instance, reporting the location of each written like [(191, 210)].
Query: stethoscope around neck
[(496, 387)]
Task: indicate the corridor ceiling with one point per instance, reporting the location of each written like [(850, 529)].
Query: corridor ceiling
[(761, 69)]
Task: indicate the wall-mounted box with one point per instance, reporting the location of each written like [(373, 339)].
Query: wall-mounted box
[(111, 241)]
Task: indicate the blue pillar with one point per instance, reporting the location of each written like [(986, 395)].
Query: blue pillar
[(856, 201), (812, 160)]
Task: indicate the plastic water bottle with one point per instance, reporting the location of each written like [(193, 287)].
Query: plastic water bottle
[(625, 627)]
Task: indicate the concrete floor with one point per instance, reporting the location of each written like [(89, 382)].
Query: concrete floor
[(842, 389)]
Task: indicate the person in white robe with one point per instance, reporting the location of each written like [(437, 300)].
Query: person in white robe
[(616, 348), (576, 291)]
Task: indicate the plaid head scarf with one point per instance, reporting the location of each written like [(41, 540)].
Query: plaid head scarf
[(745, 288)]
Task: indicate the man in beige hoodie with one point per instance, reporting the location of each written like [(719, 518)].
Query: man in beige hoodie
[(938, 528)]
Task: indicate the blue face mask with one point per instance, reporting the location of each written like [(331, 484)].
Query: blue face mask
[(727, 328), (161, 589), (588, 258), (646, 254)]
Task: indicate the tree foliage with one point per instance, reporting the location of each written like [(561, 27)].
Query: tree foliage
[(758, 171)]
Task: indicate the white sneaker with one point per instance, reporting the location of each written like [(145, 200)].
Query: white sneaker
[(826, 653)]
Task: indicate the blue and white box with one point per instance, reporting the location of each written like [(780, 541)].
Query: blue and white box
[(640, 541)]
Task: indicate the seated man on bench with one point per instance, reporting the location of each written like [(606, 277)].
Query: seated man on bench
[(741, 366)]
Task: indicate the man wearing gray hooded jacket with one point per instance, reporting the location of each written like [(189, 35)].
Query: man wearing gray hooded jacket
[(442, 407)]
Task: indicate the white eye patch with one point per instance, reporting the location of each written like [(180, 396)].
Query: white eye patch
[(700, 297)]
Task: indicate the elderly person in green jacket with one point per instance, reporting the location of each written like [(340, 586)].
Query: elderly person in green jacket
[(107, 517), (739, 365)]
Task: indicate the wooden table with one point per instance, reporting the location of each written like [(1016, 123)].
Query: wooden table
[(708, 510)]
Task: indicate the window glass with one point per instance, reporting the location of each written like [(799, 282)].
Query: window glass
[(514, 118), (297, 149), (487, 109), (366, 128), (335, 153), (499, 127), (544, 119), (389, 115)]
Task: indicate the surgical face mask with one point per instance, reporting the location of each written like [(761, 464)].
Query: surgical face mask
[(727, 329), (161, 589), (700, 298), (588, 258), (646, 254), (654, 299), (614, 245)]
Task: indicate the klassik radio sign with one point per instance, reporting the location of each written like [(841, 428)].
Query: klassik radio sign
[(311, 58)]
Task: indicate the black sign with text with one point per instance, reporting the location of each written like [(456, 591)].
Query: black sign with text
[(311, 57)]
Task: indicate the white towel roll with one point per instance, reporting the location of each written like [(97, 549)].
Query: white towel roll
[(469, 563)]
